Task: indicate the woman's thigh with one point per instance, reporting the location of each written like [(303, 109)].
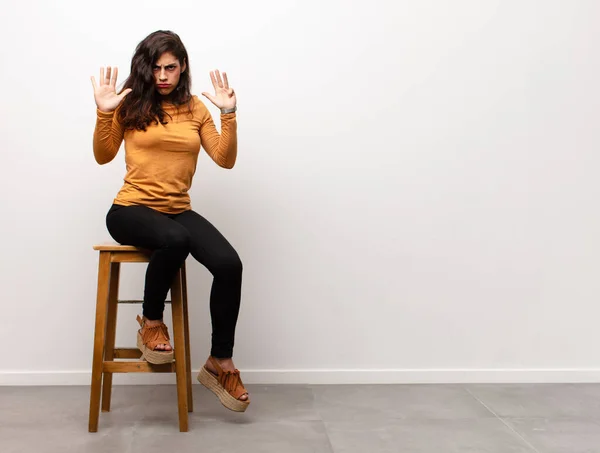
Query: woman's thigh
[(141, 226), (207, 244)]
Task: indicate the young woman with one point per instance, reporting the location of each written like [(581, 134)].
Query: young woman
[(164, 126)]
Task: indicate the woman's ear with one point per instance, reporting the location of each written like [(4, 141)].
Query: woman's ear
[(184, 67)]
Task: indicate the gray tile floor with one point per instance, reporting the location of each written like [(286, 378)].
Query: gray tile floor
[(520, 418)]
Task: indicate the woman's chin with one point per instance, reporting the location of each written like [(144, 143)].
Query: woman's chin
[(165, 92)]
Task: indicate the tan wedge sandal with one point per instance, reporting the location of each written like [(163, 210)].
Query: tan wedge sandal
[(148, 337), (227, 385)]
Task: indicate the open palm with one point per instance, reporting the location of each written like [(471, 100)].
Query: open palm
[(224, 97), (105, 94)]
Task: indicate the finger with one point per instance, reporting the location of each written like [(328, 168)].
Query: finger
[(219, 80), (107, 79), (101, 76), (94, 83), (213, 79), (226, 82), (114, 77)]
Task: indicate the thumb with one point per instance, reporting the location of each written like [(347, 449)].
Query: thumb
[(125, 93), (209, 97)]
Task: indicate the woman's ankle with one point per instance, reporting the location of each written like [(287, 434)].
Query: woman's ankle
[(152, 322), (226, 364)]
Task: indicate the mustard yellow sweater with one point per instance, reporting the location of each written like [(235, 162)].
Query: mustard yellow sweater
[(161, 162)]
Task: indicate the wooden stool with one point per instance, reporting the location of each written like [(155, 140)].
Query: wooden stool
[(104, 365)]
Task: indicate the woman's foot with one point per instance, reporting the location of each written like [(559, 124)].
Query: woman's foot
[(151, 323), (153, 341), (222, 378), (226, 365)]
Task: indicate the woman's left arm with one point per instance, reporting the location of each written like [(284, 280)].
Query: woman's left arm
[(222, 148)]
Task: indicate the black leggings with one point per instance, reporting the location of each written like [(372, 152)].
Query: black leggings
[(171, 237)]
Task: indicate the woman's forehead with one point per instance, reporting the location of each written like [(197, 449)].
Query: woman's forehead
[(166, 59)]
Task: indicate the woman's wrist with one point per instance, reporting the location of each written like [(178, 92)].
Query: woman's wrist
[(231, 110)]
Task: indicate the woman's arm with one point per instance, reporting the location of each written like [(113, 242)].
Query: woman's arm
[(222, 148), (108, 133), (108, 136)]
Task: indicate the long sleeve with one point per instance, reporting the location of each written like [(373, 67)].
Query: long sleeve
[(222, 148), (108, 136)]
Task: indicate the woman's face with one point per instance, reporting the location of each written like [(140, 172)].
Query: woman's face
[(167, 71)]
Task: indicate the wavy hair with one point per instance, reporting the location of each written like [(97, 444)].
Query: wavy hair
[(142, 106)]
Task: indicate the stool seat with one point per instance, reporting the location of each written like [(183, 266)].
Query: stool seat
[(111, 255), (115, 247), (124, 253)]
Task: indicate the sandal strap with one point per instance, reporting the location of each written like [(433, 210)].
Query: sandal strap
[(215, 363), (230, 380), (152, 336)]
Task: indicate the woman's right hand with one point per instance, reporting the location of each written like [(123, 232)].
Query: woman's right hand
[(105, 94)]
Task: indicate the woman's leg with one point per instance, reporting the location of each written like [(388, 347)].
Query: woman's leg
[(210, 248), (141, 226)]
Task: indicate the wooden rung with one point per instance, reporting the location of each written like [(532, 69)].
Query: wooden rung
[(137, 367), (137, 301), (127, 353)]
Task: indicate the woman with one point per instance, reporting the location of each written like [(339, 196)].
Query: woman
[(163, 126)]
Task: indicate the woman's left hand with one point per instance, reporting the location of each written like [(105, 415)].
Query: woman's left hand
[(224, 97)]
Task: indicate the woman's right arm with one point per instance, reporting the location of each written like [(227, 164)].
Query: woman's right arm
[(108, 134)]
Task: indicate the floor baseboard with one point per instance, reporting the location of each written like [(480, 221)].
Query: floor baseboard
[(332, 377)]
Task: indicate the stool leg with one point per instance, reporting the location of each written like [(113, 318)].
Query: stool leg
[(111, 332), (99, 336), (180, 366), (186, 327)]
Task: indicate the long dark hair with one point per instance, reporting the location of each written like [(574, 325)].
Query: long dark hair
[(142, 106)]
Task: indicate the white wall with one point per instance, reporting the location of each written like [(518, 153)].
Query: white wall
[(415, 199)]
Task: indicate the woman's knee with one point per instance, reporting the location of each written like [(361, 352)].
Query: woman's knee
[(176, 239), (227, 266)]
